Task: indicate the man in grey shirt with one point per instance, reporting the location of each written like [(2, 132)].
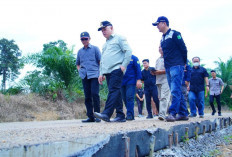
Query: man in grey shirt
[(88, 60), (216, 86), (164, 93), (116, 55)]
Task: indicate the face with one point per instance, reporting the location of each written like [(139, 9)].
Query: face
[(161, 26), (160, 50), (107, 31), (213, 74), (85, 41), (145, 64), (195, 61)]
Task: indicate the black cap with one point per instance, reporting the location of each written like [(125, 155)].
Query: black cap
[(84, 35), (161, 19), (104, 24), (146, 60)]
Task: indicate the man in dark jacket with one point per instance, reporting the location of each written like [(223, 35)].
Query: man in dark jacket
[(175, 58), (131, 79)]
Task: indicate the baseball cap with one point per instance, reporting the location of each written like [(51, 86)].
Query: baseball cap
[(161, 19), (85, 35), (104, 24)]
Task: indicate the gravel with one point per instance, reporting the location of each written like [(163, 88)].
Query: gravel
[(27, 133)]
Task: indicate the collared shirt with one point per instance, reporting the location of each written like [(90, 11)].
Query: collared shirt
[(89, 59), (160, 79), (133, 72), (174, 49), (197, 81), (116, 52), (149, 79), (215, 86)]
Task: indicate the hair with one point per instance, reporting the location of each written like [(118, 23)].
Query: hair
[(146, 60), (213, 71), (196, 57)]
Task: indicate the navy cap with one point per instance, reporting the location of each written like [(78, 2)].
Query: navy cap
[(161, 19), (104, 24), (85, 35)]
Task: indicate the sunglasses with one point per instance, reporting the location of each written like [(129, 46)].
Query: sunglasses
[(82, 39)]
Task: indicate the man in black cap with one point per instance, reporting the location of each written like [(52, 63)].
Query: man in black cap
[(88, 60), (175, 58), (116, 55)]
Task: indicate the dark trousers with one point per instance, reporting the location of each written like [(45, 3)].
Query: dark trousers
[(92, 99), (114, 98), (211, 100), (128, 96), (140, 106), (151, 92)]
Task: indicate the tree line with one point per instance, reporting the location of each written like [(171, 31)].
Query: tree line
[(56, 76)]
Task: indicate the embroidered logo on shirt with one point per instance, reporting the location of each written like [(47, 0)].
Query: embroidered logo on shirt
[(138, 62), (178, 37)]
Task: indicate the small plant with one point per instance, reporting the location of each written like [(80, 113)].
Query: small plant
[(214, 152), (185, 139), (228, 138)]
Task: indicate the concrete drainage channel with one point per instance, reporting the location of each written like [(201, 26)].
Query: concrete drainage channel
[(133, 144)]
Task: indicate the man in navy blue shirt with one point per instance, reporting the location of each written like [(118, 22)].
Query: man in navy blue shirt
[(88, 60), (199, 76), (150, 88), (131, 79), (175, 58)]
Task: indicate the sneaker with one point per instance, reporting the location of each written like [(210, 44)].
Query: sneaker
[(161, 118), (130, 118), (118, 119), (170, 118), (97, 120), (201, 116), (179, 118), (213, 113), (149, 117), (140, 116), (192, 115), (219, 114)]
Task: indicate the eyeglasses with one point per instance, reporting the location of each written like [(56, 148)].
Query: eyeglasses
[(82, 39)]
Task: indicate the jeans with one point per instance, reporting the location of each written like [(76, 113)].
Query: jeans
[(140, 106), (114, 98), (175, 75), (211, 99), (196, 97), (92, 99), (151, 92), (184, 98), (128, 96)]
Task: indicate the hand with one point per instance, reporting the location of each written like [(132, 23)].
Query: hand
[(101, 78), (122, 68), (153, 73), (188, 88), (139, 84), (207, 89), (206, 94)]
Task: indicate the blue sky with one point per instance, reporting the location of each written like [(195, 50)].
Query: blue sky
[(204, 24)]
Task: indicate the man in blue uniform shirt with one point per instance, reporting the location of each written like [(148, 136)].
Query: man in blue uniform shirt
[(131, 79), (175, 58), (88, 60), (150, 88)]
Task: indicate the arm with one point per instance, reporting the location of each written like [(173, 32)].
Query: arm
[(180, 42), (127, 50), (207, 85), (98, 55), (78, 61), (138, 72)]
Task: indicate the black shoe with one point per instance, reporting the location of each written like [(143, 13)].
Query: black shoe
[(213, 113), (118, 119), (97, 120), (170, 118), (219, 114), (192, 115), (102, 116), (201, 116), (149, 117), (88, 120), (179, 118), (130, 118)]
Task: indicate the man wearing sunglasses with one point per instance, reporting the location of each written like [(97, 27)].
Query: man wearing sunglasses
[(88, 60), (116, 55)]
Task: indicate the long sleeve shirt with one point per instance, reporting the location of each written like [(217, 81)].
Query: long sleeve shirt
[(116, 52)]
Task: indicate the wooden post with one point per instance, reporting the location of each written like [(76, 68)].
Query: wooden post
[(210, 128), (136, 152), (196, 132), (127, 146), (186, 134), (215, 126), (152, 146), (226, 123), (204, 129), (176, 138), (170, 139)]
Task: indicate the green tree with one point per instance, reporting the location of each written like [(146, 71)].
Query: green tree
[(10, 62)]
